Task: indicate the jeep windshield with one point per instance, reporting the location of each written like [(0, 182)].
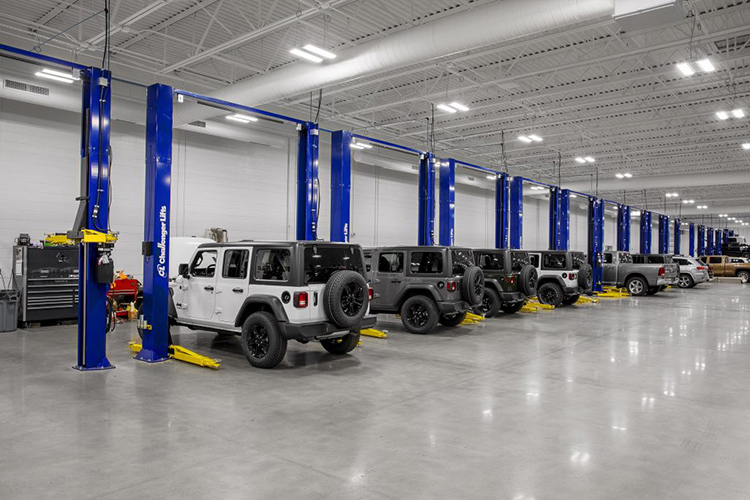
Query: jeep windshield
[(519, 259), (462, 258), (322, 261)]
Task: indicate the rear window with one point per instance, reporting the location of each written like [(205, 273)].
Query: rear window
[(426, 263), (491, 261), (519, 259), (553, 261), (322, 261), (462, 258)]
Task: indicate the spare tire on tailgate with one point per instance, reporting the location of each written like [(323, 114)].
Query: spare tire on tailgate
[(586, 277), (472, 285), (345, 298), (527, 280)]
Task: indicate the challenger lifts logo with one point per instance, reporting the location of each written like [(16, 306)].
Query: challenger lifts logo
[(161, 267)]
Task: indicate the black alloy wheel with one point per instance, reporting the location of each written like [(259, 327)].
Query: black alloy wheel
[(352, 299), (417, 315), (258, 341)]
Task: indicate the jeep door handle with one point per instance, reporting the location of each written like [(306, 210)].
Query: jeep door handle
[(396, 281), (238, 290), (208, 288)]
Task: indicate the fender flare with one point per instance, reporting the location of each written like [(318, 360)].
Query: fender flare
[(407, 292), (269, 302)]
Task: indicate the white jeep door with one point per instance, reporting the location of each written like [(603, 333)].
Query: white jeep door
[(198, 291), (231, 284)]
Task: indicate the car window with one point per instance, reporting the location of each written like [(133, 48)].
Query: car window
[(273, 264), (235, 264), (626, 258), (682, 262), (553, 261), (426, 263), (368, 261), (204, 264), (714, 260), (322, 261), (519, 259), (491, 261), (391, 262), (534, 259), (579, 259), (639, 259), (609, 258), (462, 258), (655, 259)]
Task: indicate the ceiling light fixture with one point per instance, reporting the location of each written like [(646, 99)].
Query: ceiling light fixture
[(319, 52), (706, 65), (535, 138), (738, 113), (459, 106), (354, 145), (241, 118), (306, 55), (672, 195), (524, 138), (580, 159), (688, 202), (627, 175), (492, 177), (589, 159), (686, 69), (446, 108), (58, 76), (689, 68), (746, 145), (735, 113), (722, 115)]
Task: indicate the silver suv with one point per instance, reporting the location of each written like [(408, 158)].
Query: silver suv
[(273, 292), (692, 271)]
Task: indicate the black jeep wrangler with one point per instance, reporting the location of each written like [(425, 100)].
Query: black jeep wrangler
[(509, 279), (426, 285)]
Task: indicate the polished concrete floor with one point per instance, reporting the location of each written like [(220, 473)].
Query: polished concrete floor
[(643, 398)]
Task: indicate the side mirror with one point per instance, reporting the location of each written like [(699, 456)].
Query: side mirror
[(183, 270)]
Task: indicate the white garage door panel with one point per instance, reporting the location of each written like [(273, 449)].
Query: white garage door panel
[(474, 217), (364, 204), (397, 208)]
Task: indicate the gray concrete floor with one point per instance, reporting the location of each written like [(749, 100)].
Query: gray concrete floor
[(633, 399)]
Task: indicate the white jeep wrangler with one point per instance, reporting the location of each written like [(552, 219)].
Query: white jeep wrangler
[(273, 292)]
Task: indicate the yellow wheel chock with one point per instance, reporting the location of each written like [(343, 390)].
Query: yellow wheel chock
[(181, 354), (472, 319), (372, 332)]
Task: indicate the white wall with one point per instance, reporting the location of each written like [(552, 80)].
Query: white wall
[(243, 187), (535, 223), (635, 234), (474, 224)]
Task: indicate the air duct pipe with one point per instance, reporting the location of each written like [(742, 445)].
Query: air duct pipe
[(478, 27)]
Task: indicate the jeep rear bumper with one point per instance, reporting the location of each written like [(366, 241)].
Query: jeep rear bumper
[(454, 307), (512, 297), (572, 290), (310, 331)]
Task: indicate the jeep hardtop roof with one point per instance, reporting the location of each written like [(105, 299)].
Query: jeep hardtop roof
[(416, 247), (254, 243)]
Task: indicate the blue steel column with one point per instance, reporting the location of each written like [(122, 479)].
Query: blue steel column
[(691, 239), (155, 308), (92, 296), (426, 226), (663, 246), (516, 213), (623, 229), (701, 240), (596, 240), (559, 223), (307, 182), (725, 236), (709, 241), (447, 201), (645, 231), (341, 185), (717, 242), (677, 236), (502, 211)]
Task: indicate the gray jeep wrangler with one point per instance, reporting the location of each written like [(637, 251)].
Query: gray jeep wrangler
[(426, 285), (509, 279)]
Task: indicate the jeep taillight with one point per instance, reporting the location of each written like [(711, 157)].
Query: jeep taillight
[(662, 271), (572, 276), (300, 299), (451, 286), (511, 279), (369, 293)]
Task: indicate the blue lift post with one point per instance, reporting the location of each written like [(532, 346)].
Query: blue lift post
[(502, 207), (645, 231), (426, 223), (701, 240), (307, 181), (447, 201), (709, 241), (516, 212), (677, 236), (623, 228), (691, 239), (596, 241), (717, 243), (154, 315), (559, 219), (341, 185), (92, 303), (663, 245)]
